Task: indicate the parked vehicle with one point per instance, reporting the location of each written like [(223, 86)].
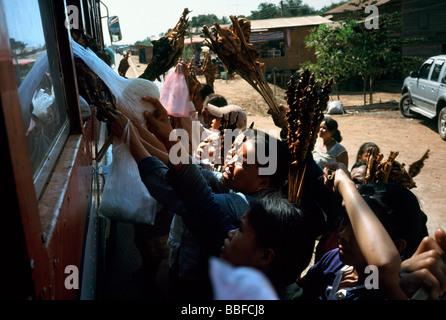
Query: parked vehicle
[(424, 92)]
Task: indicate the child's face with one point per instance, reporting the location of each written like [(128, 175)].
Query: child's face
[(349, 251), (240, 248)]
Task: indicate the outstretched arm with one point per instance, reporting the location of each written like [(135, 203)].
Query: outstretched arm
[(372, 238)]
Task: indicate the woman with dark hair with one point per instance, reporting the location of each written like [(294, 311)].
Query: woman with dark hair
[(329, 150)]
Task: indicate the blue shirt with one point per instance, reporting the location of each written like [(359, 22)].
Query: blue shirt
[(320, 280)]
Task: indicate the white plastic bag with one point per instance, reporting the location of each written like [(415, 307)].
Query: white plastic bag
[(175, 94), (128, 92), (335, 107), (125, 197)]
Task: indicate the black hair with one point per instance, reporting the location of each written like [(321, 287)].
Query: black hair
[(365, 147), (206, 90), (216, 99), (280, 176), (332, 125), (358, 164), (399, 212), (281, 226)]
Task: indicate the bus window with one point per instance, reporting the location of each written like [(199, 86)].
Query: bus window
[(36, 67)]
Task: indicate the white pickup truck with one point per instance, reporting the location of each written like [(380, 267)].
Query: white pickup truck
[(424, 92)]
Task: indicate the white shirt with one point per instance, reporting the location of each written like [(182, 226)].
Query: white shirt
[(324, 158)]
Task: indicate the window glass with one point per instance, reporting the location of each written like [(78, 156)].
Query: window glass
[(424, 70), (36, 70), (437, 70)]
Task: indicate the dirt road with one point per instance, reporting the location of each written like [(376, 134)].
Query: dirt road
[(387, 128)]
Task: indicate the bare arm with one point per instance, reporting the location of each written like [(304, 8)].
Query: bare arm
[(372, 238)]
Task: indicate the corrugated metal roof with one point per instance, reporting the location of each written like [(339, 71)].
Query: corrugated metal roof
[(288, 22), (349, 6)]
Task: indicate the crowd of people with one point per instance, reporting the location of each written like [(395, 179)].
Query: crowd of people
[(344, 240)]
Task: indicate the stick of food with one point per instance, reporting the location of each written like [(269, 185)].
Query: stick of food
[(236, 52), (306, 100), (167, 50), (415, 167)]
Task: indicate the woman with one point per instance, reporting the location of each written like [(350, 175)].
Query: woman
[(329, 150)]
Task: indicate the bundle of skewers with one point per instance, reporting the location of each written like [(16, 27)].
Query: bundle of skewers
[(391, 170), (376, 169), (239, 55), (167, 50), (209, 70), (306, 100)]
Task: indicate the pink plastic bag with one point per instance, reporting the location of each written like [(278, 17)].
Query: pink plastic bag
[(175, 94)]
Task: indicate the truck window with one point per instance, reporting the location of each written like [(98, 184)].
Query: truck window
[(425, 69), (437, 70), (36, 67)]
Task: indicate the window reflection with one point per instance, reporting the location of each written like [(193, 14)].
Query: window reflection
[(43, 111)]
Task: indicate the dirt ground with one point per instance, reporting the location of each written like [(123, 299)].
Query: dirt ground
[(383, 125)]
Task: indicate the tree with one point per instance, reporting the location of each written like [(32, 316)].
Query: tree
[(295, 8), (146, 42), (265, 11), (206, 19), (330, 45), (288, 8), (354, 48), (18, 47), (377, 52)]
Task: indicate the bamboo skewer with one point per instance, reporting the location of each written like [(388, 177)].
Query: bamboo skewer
[(235, 52), (306, 101)]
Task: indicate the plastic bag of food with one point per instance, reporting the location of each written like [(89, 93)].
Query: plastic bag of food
[(128, 92), (125, 197), (175, 94)]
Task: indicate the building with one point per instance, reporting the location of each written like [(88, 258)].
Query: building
[(342, 11), (281, 41), (144, 52), (424, 19)]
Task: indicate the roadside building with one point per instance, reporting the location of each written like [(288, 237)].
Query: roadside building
[(281, 41)]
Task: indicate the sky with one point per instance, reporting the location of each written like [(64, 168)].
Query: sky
[(30, 32), (140, 19)]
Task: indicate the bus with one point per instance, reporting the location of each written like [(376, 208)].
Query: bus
[(54, 244)]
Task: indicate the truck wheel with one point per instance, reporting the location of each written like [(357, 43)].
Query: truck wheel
[(442, 123), (405, 106)]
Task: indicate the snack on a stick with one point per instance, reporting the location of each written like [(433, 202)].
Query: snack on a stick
[(415, 168), (306, 100), (209, 70), (236, 52), (377, 170), (167, 50), (194, 86), (387, 171)]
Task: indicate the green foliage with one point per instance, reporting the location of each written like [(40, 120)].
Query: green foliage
[(146, 42), (206, 19), (351, 49), (329, 44), (286, 8)]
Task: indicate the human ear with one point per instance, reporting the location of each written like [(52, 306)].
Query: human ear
[(267, 257), (400, 245)]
